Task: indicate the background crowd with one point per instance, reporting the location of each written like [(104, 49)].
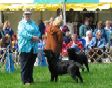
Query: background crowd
[(87, 37)]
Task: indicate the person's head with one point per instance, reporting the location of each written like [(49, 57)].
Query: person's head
[(51, 20), (74, 37), (57, 21), (98, 34), (6, 24), (108, 23), (46, 23), (99, 24), (27, 15), (89, 34), (86, 22)]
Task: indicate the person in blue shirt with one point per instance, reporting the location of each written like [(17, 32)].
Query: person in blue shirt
[(6, 34), (97, 42), (88, 38), (28, 37), (108, 32), (7, 29), (84, 28), (99, 27)]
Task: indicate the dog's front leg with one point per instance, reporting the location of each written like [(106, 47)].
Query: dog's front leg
[(79, 76), (74, 77), (83, 68), (52, 77), (56, 78), (87, 67)]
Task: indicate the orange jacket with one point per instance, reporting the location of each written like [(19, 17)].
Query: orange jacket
[(54, 39)]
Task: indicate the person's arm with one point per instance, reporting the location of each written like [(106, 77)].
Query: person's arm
[(106, 35), (81, 31), (52, 30), (102, 44), (38, 33), (60, 38), (11, 32), (103, 34), (94, 33), (22, 32)]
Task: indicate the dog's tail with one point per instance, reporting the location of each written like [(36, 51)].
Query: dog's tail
[(79, 65)]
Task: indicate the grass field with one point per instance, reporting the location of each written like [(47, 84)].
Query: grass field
[(100, 76)]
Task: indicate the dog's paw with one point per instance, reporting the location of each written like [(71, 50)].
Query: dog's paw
[(56, 81), (81, 81), (51, 80), (77, 80)]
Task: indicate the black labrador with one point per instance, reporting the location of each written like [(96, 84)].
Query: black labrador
[(57, 68), (80, 58)]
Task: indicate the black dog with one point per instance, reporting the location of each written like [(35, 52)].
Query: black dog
[(81, 57), (62, 67)]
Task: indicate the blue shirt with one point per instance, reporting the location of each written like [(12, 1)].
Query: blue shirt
[(8, 31), (26, 30), (102, 31), (97, 43), (83, 29), (108, 35)]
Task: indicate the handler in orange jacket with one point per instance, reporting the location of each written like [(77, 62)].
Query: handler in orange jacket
[(54, 37)]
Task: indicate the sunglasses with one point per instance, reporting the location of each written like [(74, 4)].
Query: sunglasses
[(27, 14)]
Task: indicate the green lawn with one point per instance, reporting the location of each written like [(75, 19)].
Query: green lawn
[(100, 76)]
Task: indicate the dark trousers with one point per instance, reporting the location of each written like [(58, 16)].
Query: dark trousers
[(27, 61)]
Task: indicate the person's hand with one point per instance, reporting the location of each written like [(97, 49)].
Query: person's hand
[(35, 38)]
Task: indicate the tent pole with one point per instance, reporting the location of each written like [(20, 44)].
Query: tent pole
[(0, 16), (64, 13), (41, 15)]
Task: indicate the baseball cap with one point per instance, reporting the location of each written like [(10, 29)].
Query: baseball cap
[(27, 13)]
